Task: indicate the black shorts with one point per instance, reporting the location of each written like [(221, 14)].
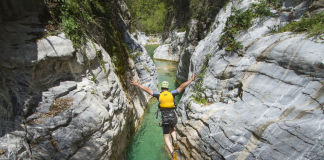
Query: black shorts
[(171, 119), (166, 129)]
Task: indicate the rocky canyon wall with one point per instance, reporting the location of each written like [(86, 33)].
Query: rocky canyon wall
[(58, 102), (265, 102), (187, 23)]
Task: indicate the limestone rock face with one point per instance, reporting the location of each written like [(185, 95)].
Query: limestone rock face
[(316, 7), (196, 18), (184, 62), (265, 104), (57, 102), (141, 37), (171, 52), (297, 8), (54, 46), (146, 40), (74, 119), (143, 63)]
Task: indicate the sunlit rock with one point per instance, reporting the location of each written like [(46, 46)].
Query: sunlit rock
[(262, 103), (58, 102), (171, 52)]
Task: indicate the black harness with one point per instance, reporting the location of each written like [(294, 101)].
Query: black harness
[(168, 116)]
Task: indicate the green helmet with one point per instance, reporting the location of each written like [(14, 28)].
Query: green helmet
[(165, 84)]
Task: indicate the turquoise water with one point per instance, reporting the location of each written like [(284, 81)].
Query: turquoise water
[(150, 49), (147, 143)]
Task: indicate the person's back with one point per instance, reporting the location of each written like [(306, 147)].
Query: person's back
[(167, 108), (166, 100)]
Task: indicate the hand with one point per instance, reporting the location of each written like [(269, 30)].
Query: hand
[(134, 82), (194, 76)]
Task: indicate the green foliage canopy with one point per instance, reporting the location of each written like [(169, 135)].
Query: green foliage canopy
[(199, 96), (75, 17), (313, 26), (147, 15), (242, 21), (94, 20)]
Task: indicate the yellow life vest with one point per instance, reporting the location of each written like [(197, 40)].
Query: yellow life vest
[(166, 100)]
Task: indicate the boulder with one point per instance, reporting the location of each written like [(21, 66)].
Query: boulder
[(141, 37), (171, 52), (145, 68), (54, 46)]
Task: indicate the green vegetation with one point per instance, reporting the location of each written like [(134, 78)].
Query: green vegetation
[(189, 106), (198, 91), (91, 20), (242, 21), (100, 60), (198, 9), (155, 16), (313, 26), (261, 10), (182, 29), (225, 4), (94, 78), (201, 8), (135, 55), (75, 17), (147, 69), (275, 4), (148, 15), (93, 91), (166, 42), (153, 40)]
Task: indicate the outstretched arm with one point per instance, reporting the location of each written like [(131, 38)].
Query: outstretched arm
[(185, 84), (146, 89)]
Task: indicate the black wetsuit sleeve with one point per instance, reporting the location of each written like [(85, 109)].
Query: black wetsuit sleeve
[(174, 92), (156, 94)]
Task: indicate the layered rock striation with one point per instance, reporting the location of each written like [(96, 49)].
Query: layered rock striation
[(58, 102), (265, 102)]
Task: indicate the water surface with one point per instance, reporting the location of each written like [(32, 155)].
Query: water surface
[(147, 143)]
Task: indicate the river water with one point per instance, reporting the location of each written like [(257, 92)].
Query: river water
[(147, 142)]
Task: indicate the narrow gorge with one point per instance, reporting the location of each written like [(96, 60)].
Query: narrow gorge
[(148, 141), (66, 93)]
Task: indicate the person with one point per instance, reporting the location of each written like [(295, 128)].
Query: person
[(167, 106)]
